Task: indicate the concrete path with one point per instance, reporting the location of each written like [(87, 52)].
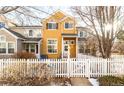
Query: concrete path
[(80, 82)]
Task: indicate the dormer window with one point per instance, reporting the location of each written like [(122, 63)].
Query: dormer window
[(31, 33), (52, 25), (68, 25)]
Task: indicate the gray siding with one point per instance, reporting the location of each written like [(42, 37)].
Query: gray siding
[(19, 45), (9, 38)]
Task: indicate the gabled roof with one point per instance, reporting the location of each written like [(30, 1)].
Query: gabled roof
[(65, 15), (5, 29), (27, 27), (15, 33), (66, 18)]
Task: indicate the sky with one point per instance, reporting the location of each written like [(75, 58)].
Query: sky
[(33, 21)]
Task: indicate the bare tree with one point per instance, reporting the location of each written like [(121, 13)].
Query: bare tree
[(92, 44), (22, 14), (105, 22)]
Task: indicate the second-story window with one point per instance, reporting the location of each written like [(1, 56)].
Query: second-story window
[(68, 25), (52, 25), (30, 33), (81, 34)]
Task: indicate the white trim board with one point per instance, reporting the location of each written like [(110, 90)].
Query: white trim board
[(9, 33), (55, 13)]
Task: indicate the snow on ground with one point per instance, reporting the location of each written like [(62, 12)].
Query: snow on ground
[(94, 82)]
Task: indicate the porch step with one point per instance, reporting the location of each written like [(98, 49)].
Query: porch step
[(77, 81)]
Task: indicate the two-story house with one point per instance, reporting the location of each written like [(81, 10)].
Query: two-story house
[(18, 39), (58, 35)]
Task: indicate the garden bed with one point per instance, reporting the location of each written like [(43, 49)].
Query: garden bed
[(36, 81)]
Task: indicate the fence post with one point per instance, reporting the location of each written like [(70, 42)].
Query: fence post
[(88, 68), (68, 62), (105, 66), (27, 73)]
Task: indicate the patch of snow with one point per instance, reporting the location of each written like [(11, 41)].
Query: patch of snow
[(94, 82)]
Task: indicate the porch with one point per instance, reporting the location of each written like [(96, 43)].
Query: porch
[(32, 46), (69, 45)]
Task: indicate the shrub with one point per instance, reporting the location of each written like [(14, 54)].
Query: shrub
[(110, 81), (26, 75), (24, 55)]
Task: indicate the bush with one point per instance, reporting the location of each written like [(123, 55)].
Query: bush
[(111, 81), (24, 55), (26, 75)]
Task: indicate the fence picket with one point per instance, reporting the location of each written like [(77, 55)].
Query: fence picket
[(65, 67)]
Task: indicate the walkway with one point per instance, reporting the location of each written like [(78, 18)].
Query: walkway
[(80, 82)]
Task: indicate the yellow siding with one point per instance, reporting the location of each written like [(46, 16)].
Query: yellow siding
[(56, 34)]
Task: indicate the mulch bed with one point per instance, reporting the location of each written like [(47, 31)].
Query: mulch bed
[(54, 81)]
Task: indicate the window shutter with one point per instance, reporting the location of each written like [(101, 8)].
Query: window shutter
[(47, 26), (56, 25)]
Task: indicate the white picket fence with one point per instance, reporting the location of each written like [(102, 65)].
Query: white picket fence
[(65, 67)]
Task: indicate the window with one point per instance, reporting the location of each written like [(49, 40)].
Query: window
[(72, 42), (81, 49), (2, 38), (52, 46), (69, 41), (66, 41), (66, 48), (30, 32), (27, 47), (2, 47), (11, 47), (52, 26), (68, 25), (32, 46), (81, 34)]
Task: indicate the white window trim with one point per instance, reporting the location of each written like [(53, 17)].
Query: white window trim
[(8, 48), (51, 22), (56, 45), (30, 48), (4, 37), (69, 28)]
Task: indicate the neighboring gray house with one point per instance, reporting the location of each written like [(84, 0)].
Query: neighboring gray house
[(83, 34), (20, 38)]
